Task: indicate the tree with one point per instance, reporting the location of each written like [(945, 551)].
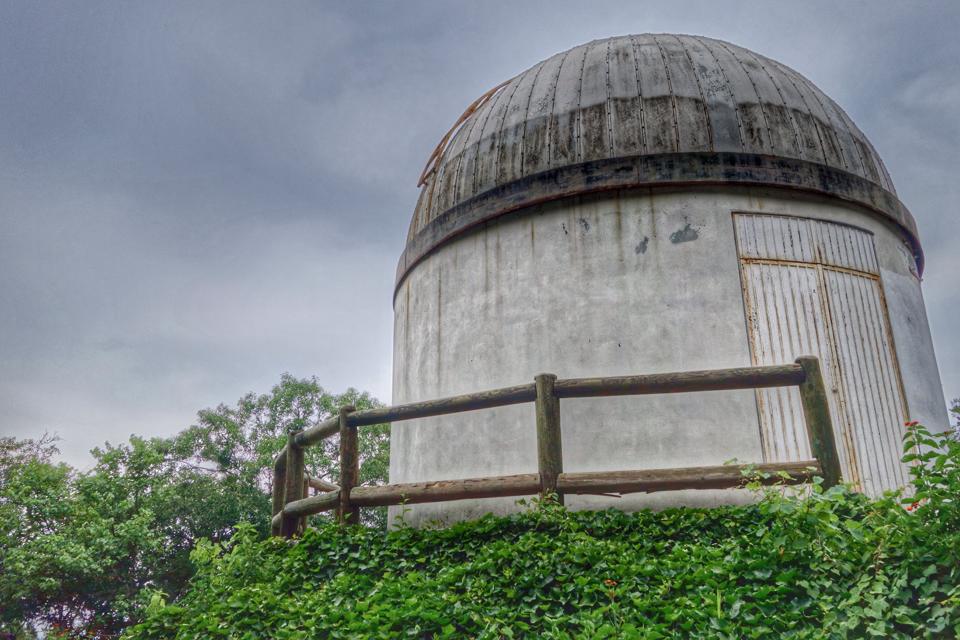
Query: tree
[(238, 444), (81, 552)]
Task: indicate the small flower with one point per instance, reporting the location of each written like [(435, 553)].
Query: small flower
[(610, 583)]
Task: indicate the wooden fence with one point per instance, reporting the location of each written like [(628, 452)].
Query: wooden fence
[(291, 504)]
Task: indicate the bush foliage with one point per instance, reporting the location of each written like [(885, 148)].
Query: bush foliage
[(834, 564)]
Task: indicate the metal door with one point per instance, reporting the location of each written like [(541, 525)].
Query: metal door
[(813, 287)]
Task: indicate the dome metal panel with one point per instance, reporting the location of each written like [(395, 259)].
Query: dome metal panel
[(682, 108)]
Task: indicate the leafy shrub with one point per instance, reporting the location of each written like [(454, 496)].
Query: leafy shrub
[(831, 565)]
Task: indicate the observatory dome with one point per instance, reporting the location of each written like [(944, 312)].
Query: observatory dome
[(657, 204), (645, 110)]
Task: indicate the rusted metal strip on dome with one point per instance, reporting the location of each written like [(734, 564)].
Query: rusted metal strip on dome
[(655, 171), (434, 158)]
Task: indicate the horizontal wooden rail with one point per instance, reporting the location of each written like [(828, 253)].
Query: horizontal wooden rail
[(321, 485), (686, 381), (313, 504), (715, 477), (525, 484), (714, 380), (322, 431), (455, 404)]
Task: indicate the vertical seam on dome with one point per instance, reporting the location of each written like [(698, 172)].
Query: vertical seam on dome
[(583, 63), (503, 119), (417, 216), (456, 188), (553, 106), (429, 209), (526, 118), (763, 112), (486, 119), (608, 108), (673, 96), (636, 70), (783, 71), (884, 173), (726, 82), (851, 127), (793, 122), (703, 100), (836, 138), (881, 168)]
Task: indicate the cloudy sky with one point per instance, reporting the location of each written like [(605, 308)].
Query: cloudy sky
[(196, 197)]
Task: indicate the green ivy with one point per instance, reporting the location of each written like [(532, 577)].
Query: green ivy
[(830, 564)]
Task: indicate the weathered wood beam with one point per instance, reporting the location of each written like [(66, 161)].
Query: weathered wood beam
[(816, 413), (685, 381), (711, 380), (715, 477), (281, 458), (293, 486), (455, 404), (549, 443), (322, 431), (322, 485), (277, 489), (314, 504), (524, 484), (349, 467)]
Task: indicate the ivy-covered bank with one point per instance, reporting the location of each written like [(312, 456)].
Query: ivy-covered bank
[(834, 565)]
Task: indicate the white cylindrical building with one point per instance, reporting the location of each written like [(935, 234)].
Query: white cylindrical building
[(658, 203)]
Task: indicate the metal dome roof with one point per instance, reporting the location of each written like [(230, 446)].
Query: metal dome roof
[(640, 111)]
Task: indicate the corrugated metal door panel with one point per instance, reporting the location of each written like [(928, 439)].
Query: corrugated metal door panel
[(790, 239), (865, 358), (810, 287), (775, 238), (842, 246), (787, 319)]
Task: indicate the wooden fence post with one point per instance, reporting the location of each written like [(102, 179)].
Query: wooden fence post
[(277, 490), (349, 467), (293, 484), (816, 412), (549, 449)]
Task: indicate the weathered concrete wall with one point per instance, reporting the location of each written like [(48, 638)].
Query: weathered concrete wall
[(615, 284)]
